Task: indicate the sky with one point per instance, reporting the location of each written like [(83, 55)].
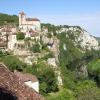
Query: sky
[(85, 13)]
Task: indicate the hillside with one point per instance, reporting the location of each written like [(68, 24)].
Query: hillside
[(63, 59), (11, 19)]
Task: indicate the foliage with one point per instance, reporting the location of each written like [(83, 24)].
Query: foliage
[(69, 58), (35, 48), (49, 55), (20, 36), (64, 94), (46, 78), (94, 70), (72, 59), (13, 63), (5, 18), (3, 53), (87, 90), (51, 28)]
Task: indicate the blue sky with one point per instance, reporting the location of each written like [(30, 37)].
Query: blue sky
[(85, 13)]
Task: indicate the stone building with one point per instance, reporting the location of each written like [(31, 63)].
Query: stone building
[(25, 24)]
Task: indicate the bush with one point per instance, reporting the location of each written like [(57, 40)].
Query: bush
[(47, 81), (35, 48), (94, 70), (20, 36), (47, 78), (87, 91), (49, 55), (13, 63), (64, 94)]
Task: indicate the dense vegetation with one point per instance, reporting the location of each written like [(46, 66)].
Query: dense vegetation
[(11, 19), (20, 36), (72, 60)]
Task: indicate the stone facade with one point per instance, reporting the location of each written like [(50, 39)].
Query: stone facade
[(25, 24)]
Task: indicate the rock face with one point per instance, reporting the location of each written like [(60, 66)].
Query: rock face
[(12, 85), (87, 41), (82, 37)]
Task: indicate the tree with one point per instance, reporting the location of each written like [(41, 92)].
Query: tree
[(35, 48), (48, 81), (20, 36), (87, 90), (46, 76), (13, 63), (64, 94)]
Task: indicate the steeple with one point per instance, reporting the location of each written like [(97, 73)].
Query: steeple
[(22, 18)]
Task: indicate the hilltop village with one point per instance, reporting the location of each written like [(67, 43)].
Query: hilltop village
[(31, 27), (53, 60)]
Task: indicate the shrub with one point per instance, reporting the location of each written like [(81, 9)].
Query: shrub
[(20, 36), (87, 91), (35, 48), (94, 70), (13, 63), (64, 94), (47, 78), (49, 55)]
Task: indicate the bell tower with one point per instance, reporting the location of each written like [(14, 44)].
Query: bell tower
[(22, 18)]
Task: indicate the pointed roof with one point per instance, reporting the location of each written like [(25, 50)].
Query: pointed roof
[(22, 13)]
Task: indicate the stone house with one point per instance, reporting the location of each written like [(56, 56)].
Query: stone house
[(30, 26), (9, 36)]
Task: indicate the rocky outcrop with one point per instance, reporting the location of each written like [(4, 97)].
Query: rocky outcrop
[(11, 84), (87, 41)]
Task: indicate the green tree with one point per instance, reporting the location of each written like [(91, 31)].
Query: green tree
[(64, 94), (20, 36), (13, 63), (47, 78), (87, 90), (35, 48)]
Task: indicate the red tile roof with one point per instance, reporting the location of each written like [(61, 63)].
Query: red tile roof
[(26, 77), (10, 82), (22, 13), (32, 19)]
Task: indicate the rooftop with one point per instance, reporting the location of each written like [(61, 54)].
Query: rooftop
[(26, 77), (10, 82)]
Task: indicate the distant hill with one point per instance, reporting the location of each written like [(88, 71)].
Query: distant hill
[(5, 18)]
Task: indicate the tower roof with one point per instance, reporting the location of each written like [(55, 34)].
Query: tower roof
[(22, 13), (32, 19)]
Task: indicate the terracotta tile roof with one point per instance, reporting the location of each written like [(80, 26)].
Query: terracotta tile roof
[(32, 19), (3, 44), (34, 34), (26, 77), (6, 30), (10, 82)]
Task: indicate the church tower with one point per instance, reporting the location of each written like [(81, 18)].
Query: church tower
[(22, 18)]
